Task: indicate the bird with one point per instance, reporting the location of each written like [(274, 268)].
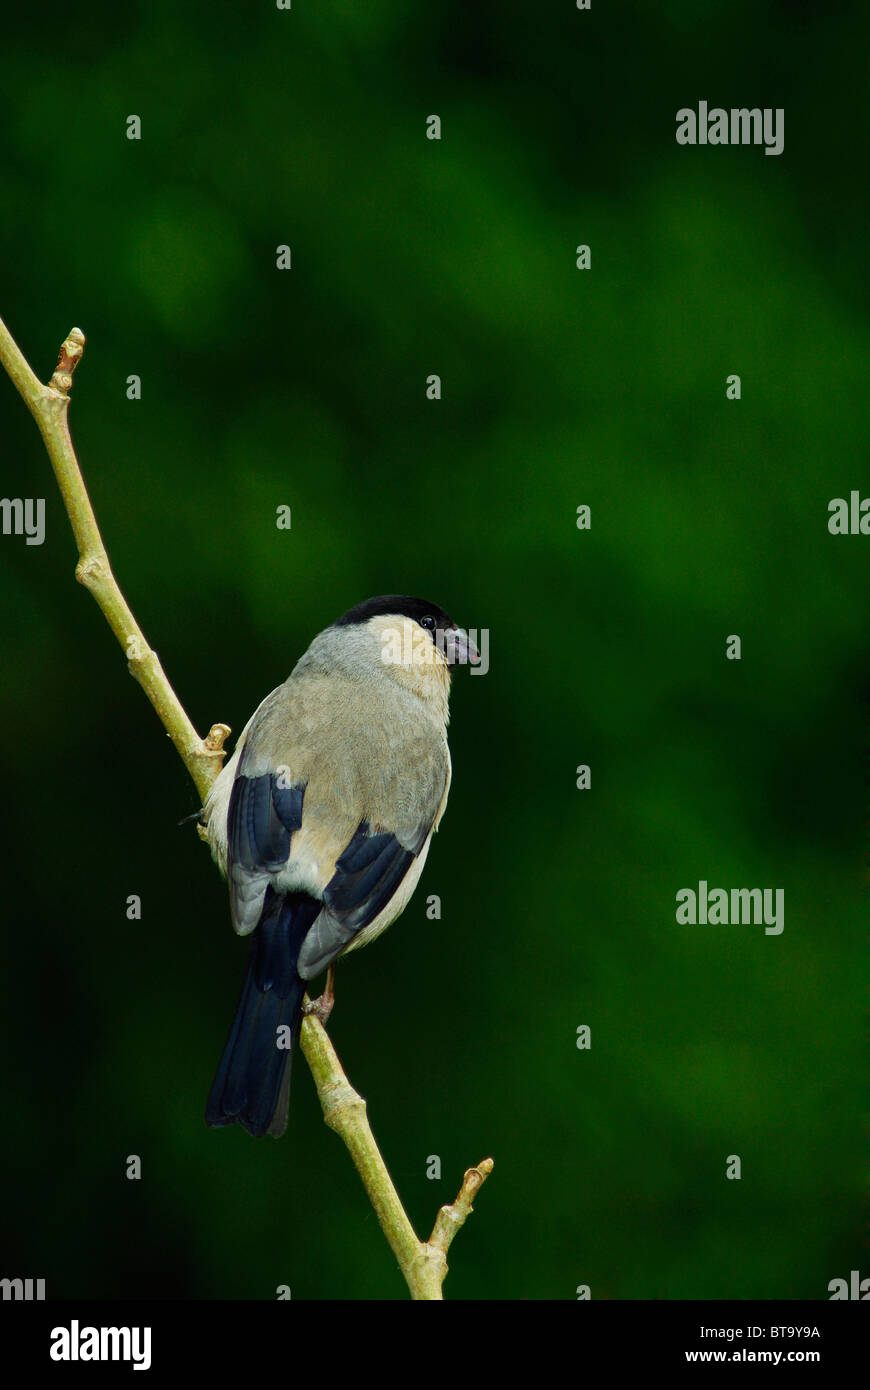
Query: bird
[(321, 822)]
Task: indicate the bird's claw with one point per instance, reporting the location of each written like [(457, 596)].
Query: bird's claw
[(320, 1008)]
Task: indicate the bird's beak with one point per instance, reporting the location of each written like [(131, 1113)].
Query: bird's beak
[(459, 649)]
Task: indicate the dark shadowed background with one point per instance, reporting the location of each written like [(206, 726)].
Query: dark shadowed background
[(561, 387)]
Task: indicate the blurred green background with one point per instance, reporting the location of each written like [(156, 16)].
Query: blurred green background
[(560, 387)]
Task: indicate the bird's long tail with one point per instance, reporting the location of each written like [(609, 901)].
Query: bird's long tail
[(252, 1085)]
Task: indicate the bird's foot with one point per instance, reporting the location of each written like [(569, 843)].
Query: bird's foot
[(321, 1008)]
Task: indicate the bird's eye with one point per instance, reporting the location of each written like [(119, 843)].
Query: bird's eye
[(427, 622)]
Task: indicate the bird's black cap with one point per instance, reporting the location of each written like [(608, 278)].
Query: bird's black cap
[(401, 604)]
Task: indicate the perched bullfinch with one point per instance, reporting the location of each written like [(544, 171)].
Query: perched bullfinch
[(321, 822)]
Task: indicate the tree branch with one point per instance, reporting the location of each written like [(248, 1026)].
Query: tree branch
[(423, 1263), (49, 406)]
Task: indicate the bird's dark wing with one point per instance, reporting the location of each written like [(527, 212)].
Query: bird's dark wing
[(263, 813), (367, 875)]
